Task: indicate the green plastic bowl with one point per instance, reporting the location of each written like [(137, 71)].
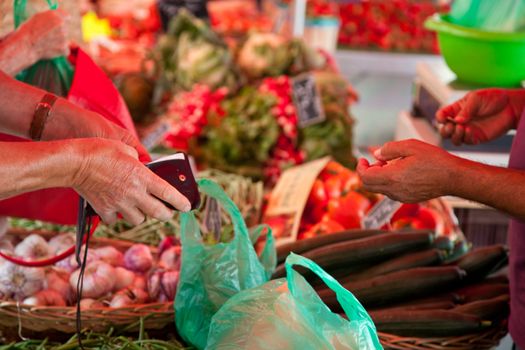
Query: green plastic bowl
[(480, 57)]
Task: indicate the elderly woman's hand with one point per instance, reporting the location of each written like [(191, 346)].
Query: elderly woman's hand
[(110, 177), (46, 34)]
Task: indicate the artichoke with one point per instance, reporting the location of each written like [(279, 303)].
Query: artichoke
[(191, 53)]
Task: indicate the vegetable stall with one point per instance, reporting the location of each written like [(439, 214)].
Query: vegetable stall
[(269, 121)]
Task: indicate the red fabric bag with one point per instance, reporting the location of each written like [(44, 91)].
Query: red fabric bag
[(92, 90)]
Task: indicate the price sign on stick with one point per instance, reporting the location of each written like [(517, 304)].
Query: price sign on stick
[(381, 213), (307, 100)]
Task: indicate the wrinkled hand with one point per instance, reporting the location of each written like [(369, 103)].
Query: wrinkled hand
[(47, 34), (71, 121), (409, 171), (480, 116), (113, 181)]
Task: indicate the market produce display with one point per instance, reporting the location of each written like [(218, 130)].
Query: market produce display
[(337, 202), (412, 283), (389, 25), (234, 108)]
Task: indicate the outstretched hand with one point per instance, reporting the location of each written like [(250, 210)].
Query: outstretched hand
[(409, 171), (480, 116)]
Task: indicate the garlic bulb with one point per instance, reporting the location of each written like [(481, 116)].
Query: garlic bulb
[(170, 259), (58, 281), (169, 282), (128, 297), (62, 242), (46, 297), (19, 282), (123, 278), (139, 282), (110, 255), (33, 247), (89, 303), (70, 264), (163, 282), (138, 258), (154, 284), (99, 279), (120, 300)]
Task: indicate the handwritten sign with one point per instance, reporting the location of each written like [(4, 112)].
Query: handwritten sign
[(307, 100), (381, 213)]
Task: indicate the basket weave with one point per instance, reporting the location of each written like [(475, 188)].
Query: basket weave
[(478, 341), (63, 319)]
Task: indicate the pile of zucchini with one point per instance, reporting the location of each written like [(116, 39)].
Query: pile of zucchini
[(412, 283)]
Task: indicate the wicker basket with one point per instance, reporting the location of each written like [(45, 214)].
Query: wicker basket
[(479, 341), (151, 316)]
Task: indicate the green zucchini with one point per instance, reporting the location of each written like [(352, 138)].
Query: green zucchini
[(488, 309), (443, 243), (301, 246), (399, 286), (482, 291), (424, 258), (368, 250), (422, 323), (481, 262)]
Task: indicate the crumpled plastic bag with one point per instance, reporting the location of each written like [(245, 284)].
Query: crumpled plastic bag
[(288, 314), (490, 15), (211, 274)]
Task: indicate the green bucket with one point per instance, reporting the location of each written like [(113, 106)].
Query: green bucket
[(480, 57)]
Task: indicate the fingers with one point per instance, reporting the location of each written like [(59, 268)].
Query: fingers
[(457, 136), (446, 130), (109, 218), (132, 215), (152, 207), (394, 150), (164, 191), (130, 140), (371, 175), (449, 112)]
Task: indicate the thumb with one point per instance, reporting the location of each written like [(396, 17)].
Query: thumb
[(394, 150)]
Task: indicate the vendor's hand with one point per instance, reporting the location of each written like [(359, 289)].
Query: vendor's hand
[(112, 180), (409, 171), (480, 116), (46, 34), (71, 121)]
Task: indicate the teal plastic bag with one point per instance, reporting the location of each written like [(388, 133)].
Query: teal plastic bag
[(53, 75), (212, 274), (490, 15), (288, 314)]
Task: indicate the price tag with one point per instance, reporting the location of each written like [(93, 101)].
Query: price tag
[(154, 137), (307, 100), (212, 217), (381, 213)]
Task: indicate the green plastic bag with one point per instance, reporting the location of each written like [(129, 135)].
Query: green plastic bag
[(54, 75), (490, 15), (288, 314), (210, 275)]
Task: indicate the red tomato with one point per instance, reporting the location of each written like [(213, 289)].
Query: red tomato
[(316, 204), (409, 222), (321, 228), (410, 210), (333, 169), (425, 218), (349, 209)]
